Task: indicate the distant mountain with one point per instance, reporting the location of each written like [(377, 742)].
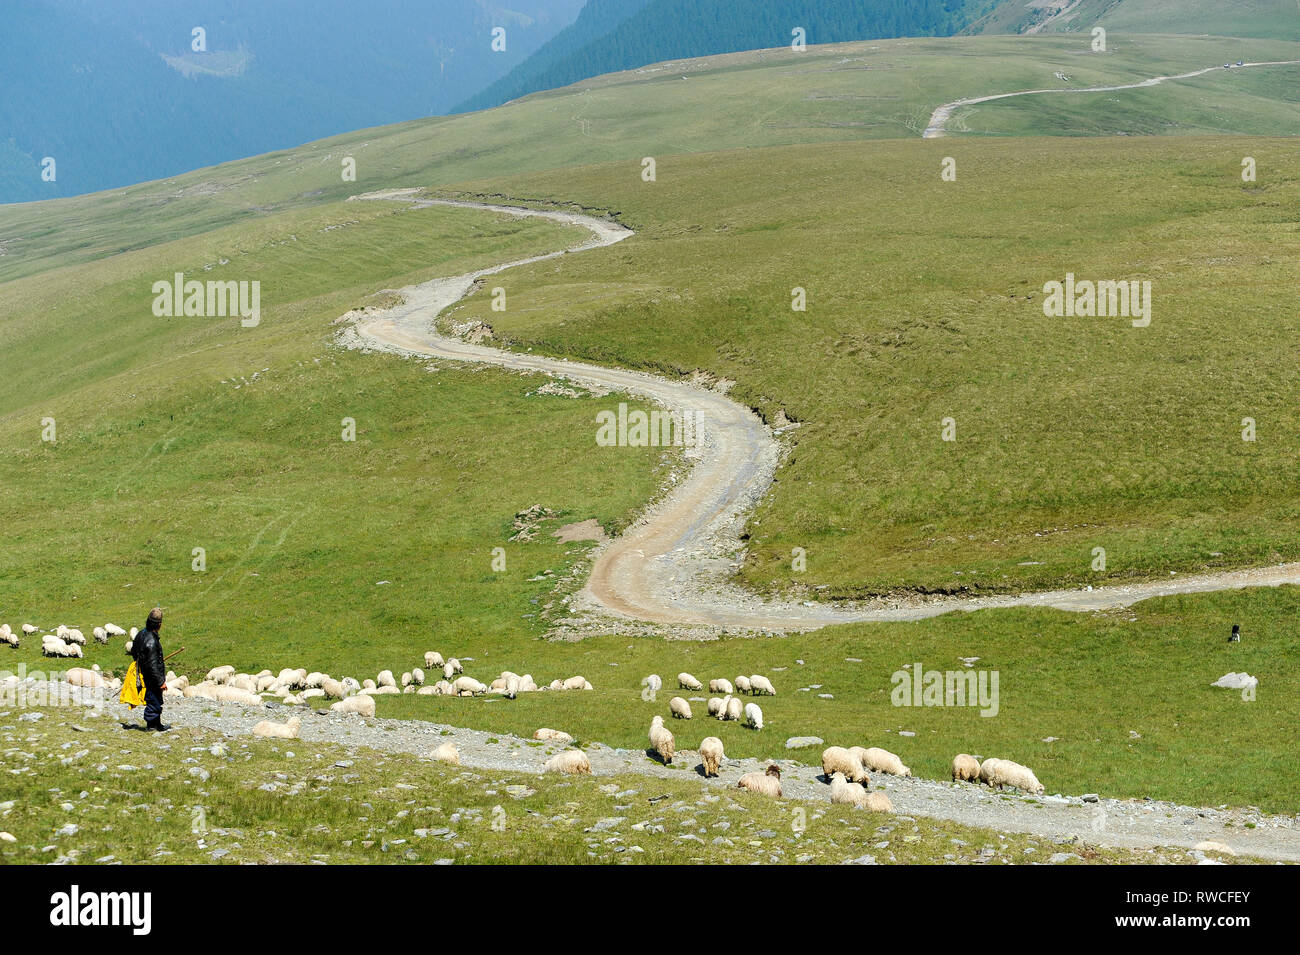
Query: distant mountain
[(1264, 19), (614, 35), (115, 93)]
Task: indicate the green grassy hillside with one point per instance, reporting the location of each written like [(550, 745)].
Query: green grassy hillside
[(1273, 19)]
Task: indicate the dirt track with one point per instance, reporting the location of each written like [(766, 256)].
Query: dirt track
[(672, 567)]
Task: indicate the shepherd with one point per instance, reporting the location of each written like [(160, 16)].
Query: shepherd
[(148, 654)]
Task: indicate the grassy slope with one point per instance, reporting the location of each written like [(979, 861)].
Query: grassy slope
[(925, 302), (381, 808), (1278, 19), (845, 92)]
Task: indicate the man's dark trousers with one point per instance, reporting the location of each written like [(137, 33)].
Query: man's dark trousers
[(153, 704)]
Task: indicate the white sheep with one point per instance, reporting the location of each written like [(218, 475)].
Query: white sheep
[(761, 686), (70, 635), (417, 676), (654, 681), (571, 761), (753, 716), (711, 755), (333, 688), (233, 694), (350, 685), (766, 784), (272, 730), (316, 680), (52, 646), (715, 707), (688, 682), (661, 741), (837, 759), (878, 801), (881, 761), (455, 666), (367, 684), (721, 686), (742, 684), (1007, 773), (576, 683), (447, 753), (28, 629), (986, 769), (555, 736), (679, 708), (100, 635), (434, 661), (361, 705), (385, 678), (965, 768), (468, 686), (219, 674), (113, 630), (80, 676), (845, 793), (735, 709)]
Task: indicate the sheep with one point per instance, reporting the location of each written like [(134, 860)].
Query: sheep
[(571, 761), (878, 802), (361, 705), (837, 759), (243, 681), (334, 689), (715, 707), (527, 684), (406, 679), (382, 691), (316, 680), (721, 686), (434, 661), (661, 741), (654, 681), (233, 694), (272, 730), (52, 646), (1007, 773), (576, 683), (79, 676), (385, 678), (28, 629), (556, 736), (468, 686), (761, 686), (753, 716), (742, 684), (219, 674), (986, 770), (350, 684), (881, 761), (511, 689), (688, 682), (448, 671), (455, 666), (417, 676), (113, 630), (765, 784), (965, 768), (367, 684), (100, 634), (735, 709), (679, 708), (447, 753), (312, 693), (72, 636), (441, 688), (711, 755), (7, 635), (845, 793)]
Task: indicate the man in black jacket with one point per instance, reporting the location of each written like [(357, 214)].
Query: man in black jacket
[(148, 653)]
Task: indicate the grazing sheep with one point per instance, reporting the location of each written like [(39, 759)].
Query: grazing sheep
[(715, 707), (52, 646), (881, 761), (711, 755), (845, 793), (219, 674), (406, 679), (28, 629), (761, 686), (8, 636), (417, 676), (765, 784), (468, 686), (661, 741), (272, 730), (571, 761), (385, 678), (688, 682), (315, 680), (434, 661), (1007, 773), (555, 736), (73, 636), (742, 684), (654, 681), (986, 770), (753, 716), (837, 759), (455, 666), (735, 709), (113, 630), (721, 686), (527, 684), (100, 635), (333, 688), (361, 705), (965, 768), (512, 686), (879, 802), (575, 683), (367, 684), (447, 753), (679, 708)]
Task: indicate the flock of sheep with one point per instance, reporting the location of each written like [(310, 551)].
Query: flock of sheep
[(62, 641)]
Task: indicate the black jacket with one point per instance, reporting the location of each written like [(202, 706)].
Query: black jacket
[(148, 654)]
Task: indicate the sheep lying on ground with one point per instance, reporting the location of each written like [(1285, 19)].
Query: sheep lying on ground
[(273, 730), (965, 768), (765, 784), (753, 716), (879, 802), (233, 694), (688, 682), (837, 759), (679, 708), (711, 755), (571, 761), (219, 674), (80, 676), (447, 753), (721, 686), (1007, 773), (661, 741), (761, 686), (361, 705), (556, 736), (576, 683), (434, 661), (846, 793), (881, 761)]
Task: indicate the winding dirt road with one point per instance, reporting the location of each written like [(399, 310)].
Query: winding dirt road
[(673, 566), (939, 118)]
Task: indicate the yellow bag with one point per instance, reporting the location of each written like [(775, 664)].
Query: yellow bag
[(132, 688)]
